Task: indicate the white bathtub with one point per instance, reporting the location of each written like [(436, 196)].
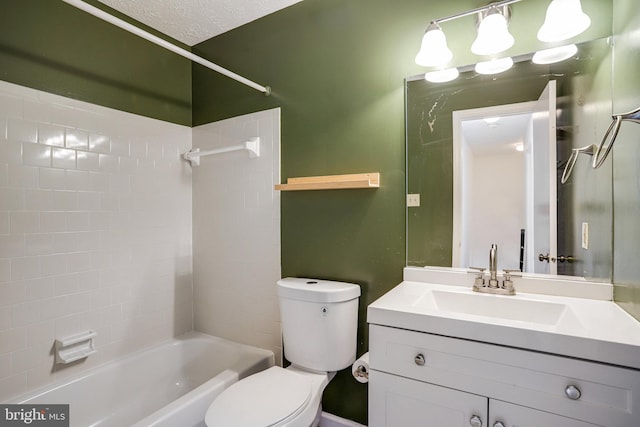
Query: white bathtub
[(169, 385)]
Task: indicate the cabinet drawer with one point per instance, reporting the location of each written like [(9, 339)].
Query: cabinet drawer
[(608, 395)]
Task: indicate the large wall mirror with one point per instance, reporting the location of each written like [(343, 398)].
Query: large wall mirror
[(486, 154)]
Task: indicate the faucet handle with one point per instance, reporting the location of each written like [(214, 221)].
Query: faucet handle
[(507, 284), (479, 271)]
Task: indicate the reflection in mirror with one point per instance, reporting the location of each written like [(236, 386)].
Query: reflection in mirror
[(511, 198)]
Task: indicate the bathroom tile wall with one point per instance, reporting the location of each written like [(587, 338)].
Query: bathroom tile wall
[(95, 233), (236, 232)]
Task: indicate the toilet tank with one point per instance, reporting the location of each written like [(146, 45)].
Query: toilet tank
[(319, 322)]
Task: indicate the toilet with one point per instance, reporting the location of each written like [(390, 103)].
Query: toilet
[(319, 332)]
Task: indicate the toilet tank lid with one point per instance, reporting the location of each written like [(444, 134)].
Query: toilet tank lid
[(316, 290)]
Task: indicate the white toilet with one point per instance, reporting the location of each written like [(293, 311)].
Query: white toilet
[(319, 328)]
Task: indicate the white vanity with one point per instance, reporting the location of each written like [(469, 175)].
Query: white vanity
[(442, 355)]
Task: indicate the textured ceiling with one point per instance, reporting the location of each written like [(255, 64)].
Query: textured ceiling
[(194, 21)]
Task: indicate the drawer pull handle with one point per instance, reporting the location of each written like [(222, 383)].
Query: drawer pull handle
[(572, 392), (419, 359), (475, 421), (498, 424)]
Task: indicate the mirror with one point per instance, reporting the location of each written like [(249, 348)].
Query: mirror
[(499, 196)]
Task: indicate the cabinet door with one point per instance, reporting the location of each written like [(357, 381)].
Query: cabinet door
[(396, 401), (510, 415)]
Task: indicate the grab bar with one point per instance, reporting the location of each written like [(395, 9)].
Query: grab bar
[(568, 168), (602, 151)]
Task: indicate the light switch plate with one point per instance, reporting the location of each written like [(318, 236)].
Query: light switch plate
[(585, 235), (413, 200)]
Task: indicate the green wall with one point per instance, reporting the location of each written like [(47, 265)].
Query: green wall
[(54, 47), (626, 157)]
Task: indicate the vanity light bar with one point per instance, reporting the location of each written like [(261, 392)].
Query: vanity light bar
[(476, 10)]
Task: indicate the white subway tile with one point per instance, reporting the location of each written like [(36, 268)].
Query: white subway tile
[(12, 340), (12, 386), (108, 162), (99, 220), (88, 161), (38, 333), (77, 180), (11, 199), (4, 175), (30, 357), (138, 149), (23, 176), (65, 284), (79, 261), (38, 200), (53, 179), (5, 270), (63, 115), (53, 265), (51, 222), (50, 135), (64, 200), (36, 155), (10, 105), (128, 164), (12, 293), (4, 222), (36, 111), (5, 365), (88, 280), (25, 268), (12, 246), (24, 222), (99, 181), (25, 314), (120, 147), (63, 158), (39, 288), (88, 200), (39, 244), (11, 152), (77, 221), (76, 139), (99, 143), (88, 241), (22, 131)]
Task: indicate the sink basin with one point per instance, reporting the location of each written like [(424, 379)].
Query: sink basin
[(503, 307)]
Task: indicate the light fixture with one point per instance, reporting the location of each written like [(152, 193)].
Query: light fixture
[(434, 50), (442, 76), (519, 146), (494, 66), (493, 34), (564, 20), (491, 120), (555, 54)]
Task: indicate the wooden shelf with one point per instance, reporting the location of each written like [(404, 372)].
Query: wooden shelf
[(332, 182)]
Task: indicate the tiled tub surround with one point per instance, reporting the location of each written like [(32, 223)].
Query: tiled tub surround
[(236, 232), (95, 233)]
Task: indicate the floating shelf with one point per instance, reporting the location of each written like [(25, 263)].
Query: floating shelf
[(332, 182)]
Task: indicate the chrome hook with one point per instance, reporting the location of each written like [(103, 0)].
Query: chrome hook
[(568, 168), (605, 146)]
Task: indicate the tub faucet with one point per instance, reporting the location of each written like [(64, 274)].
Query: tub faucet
[(493, 266)]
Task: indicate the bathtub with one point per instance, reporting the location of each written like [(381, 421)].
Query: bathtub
[(169, 385)]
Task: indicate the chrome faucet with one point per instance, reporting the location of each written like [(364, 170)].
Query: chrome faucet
[(494, 287), (493, 266)]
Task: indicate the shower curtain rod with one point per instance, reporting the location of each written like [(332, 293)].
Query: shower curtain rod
[(165, 44)]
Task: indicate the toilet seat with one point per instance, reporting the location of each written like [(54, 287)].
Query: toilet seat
[(264, 399)]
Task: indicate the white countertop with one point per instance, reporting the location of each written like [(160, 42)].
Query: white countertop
[(590, 329)]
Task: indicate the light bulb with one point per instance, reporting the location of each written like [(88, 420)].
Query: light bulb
[(442, 76), (564, 20), (493, 35), (555, 54), (494, 66), (434, 50)]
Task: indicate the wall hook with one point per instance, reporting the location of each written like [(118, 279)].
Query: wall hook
[(602, 151), (568, 168)]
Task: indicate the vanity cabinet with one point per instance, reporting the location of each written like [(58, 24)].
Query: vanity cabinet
[(422, 379)]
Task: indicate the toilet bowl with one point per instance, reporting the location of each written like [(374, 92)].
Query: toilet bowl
[(319, 329), (276, 397)]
